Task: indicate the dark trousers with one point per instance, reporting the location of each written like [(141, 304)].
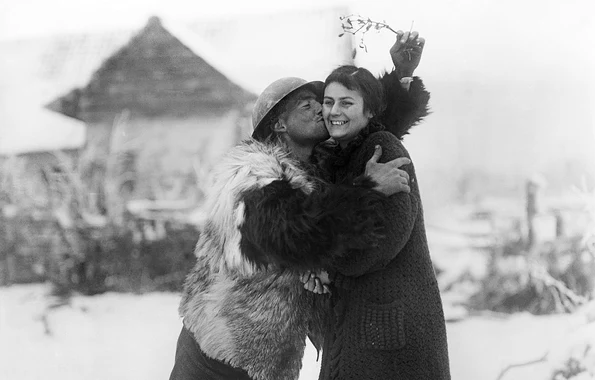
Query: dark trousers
[(192, 364)]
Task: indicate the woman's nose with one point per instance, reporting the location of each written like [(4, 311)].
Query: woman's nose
[(335, 109)]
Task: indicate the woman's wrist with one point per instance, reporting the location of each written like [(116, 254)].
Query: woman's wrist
[(403, 73)]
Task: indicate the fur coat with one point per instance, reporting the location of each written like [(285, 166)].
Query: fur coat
[(241, 309)]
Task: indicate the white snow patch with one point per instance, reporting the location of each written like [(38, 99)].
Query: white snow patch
[(125, 336)]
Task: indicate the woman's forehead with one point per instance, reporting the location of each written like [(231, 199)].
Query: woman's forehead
[(337, 90)]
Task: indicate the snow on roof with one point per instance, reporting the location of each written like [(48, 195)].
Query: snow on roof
[(42, 131)]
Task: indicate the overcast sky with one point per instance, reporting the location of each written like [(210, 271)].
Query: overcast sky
[(523, 45), (34, 17), (524, 34)]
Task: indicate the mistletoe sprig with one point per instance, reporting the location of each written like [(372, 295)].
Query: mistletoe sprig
[(354, 24)]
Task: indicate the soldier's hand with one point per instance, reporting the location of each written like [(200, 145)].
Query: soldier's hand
[(389, 177)]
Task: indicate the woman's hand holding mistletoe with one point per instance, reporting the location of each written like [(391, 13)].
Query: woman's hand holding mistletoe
[(406, 52)]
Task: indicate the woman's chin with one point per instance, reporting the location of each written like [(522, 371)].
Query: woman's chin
[(337, 135), (334, 136)]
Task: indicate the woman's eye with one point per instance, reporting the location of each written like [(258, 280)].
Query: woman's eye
[(327, 103)]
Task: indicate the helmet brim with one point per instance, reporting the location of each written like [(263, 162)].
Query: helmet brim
[(261, 131)]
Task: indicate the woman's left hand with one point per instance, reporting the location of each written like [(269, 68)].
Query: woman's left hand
[(406, 52)]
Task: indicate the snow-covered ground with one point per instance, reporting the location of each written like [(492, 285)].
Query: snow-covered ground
[(125, 336)]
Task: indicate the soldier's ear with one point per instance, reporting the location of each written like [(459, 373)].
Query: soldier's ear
[(279, 127)]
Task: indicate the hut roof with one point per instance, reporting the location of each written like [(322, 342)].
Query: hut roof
[(163, 60), (40, 72)]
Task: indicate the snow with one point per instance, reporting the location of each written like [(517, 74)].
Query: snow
[(481, 347), (113, 336), (126, 336)]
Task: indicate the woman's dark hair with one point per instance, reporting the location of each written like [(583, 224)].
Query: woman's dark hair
[(360, 80)]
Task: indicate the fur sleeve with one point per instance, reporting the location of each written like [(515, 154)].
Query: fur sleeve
[(284, 226), (404, 109), (318, 321)]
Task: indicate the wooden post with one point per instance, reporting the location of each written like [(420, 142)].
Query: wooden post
[(8, 236), (560, 225), (4, 245), (532, 208)]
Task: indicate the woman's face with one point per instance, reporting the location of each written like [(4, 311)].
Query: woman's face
[(343, 112)]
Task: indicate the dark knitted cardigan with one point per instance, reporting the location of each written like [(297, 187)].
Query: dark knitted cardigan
[(388, 321)]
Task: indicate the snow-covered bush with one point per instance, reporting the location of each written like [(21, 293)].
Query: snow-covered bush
[(552, 278)]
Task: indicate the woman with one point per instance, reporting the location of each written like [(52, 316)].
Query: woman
[(388, 319)]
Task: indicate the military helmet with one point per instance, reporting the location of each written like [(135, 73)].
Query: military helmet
[(272, 95)]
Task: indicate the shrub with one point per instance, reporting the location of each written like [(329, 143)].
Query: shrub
[(551, 278)]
